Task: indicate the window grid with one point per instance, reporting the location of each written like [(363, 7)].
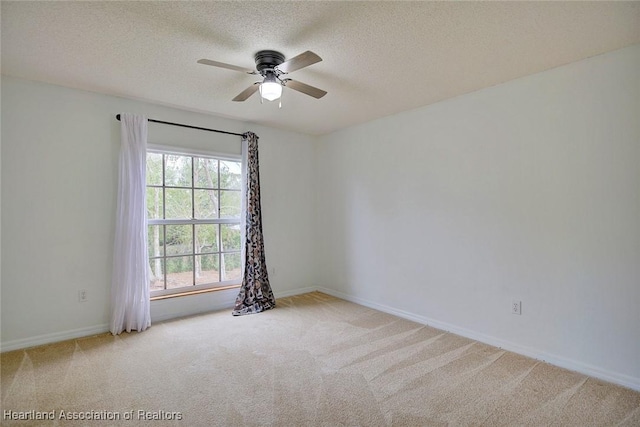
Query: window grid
[(218, 222)]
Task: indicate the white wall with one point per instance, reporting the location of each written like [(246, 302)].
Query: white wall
[(529, 190), (59, 162)]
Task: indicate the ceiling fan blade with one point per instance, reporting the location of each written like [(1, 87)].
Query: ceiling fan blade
[(303, 60), (245, 94), (305, 88), (227, 66)]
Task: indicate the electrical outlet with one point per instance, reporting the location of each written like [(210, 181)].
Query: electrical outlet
[(516, 307), (82, 295)]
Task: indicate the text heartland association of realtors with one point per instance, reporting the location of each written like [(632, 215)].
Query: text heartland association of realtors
[(139, 415)]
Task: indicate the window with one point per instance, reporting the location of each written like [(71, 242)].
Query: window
[(193, 211)]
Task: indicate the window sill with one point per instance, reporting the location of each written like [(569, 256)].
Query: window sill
[(195, 292)]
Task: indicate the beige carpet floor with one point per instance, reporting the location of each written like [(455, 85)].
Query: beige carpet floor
[(314, 360)]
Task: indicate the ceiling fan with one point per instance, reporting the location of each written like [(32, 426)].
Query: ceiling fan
[(272, 67)]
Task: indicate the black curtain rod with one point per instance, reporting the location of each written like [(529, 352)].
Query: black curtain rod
[(188, 126)]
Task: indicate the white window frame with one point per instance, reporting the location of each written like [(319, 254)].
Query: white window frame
[(161, 149)]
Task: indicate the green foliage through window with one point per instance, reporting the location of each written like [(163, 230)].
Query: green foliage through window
[(193, 208)]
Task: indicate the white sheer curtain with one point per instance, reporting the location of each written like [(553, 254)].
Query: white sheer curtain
[(130, 306)]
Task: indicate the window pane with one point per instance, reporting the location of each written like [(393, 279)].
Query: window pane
[(177, 172), (156, 278), (179, 239), (205, 172), (230, 175), (206, 238), (154, 169), (229, 204), (155, 241), (207, 269), (206, 204), (230, 237), (154, 203), (178, 203), (179, 272), (181, 255), (230, 266)]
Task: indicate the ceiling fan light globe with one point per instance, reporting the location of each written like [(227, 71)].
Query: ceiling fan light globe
[(270, 90)]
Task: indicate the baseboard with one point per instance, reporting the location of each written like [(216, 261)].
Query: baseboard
[(573, 365), (226, 302), (223, 305), (53, 337), (562, 362), (293, 292)]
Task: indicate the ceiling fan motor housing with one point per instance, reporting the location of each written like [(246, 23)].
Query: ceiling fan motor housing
[(268, 59)]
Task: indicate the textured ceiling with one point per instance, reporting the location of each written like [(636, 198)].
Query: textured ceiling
[(379, 58)]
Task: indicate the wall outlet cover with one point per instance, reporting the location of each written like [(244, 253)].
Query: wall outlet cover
[(516, 307)]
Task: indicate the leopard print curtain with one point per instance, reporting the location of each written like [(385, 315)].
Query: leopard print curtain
[(255, 293)]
